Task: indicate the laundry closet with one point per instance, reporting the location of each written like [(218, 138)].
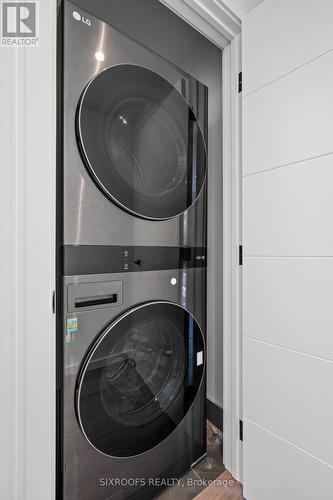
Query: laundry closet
[(137, 303)]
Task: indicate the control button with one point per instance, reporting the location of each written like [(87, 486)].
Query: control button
[(173, 281)]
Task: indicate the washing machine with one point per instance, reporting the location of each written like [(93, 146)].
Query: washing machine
[(134, 381), (131, 300)]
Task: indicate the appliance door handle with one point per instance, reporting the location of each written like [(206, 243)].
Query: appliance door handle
[(96, 301)]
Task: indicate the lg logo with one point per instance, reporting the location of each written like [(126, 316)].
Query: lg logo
[(77, 16)]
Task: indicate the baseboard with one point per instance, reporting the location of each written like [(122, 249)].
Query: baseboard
[(215, 414)]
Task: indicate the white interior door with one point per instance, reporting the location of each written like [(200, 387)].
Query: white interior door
[(288, 248)]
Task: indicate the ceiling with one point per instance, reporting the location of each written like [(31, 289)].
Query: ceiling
[(240, 7), (219, 20)]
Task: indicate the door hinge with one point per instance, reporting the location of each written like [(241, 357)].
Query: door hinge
[(241, 430), (53, 302), (240, 255), (240, 82)]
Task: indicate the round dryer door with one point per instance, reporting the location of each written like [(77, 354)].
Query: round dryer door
[(140, 379), (141, 142)]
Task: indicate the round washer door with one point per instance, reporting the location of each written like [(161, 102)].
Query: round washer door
[(140, 379), (141, 142)]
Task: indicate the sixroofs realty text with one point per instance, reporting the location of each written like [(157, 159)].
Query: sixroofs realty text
[(164, 482)]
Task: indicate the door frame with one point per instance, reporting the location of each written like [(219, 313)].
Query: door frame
[(29, 146), (221, 25)]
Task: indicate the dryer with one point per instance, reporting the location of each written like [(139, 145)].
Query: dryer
[(133, 137)]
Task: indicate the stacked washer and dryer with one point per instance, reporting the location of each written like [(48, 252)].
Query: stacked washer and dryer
[(132, 266)]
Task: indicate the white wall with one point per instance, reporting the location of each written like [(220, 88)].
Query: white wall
[(27, 341), (288, 245)]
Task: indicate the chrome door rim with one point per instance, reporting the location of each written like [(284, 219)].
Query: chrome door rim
[(87, 359), (91, 168)]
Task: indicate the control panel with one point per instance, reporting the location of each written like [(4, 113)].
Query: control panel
[(99, 259)]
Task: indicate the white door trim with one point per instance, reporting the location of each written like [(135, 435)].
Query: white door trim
[(28, 145), (216, 20), (232, 239), (212, 18)]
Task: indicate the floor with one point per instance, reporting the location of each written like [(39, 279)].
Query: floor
[(209, 480), (225, 487)]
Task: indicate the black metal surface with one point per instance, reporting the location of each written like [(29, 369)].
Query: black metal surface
[(240, 82), (240, 255), (215, 414), (96, 301), (98, 259)]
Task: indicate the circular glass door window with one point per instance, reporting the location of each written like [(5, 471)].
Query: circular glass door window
[(141, 142), (140, 379)]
